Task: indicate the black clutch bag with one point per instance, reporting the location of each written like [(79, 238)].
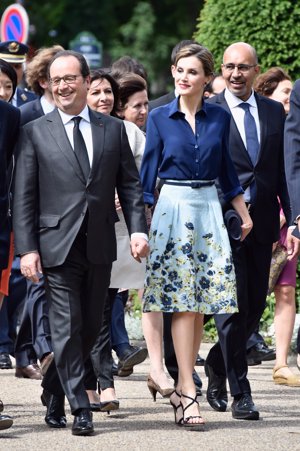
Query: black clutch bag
[(233, 222)]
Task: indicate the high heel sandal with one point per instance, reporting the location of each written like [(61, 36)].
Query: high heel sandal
[(154, 388), (185, 421), (175, 408)]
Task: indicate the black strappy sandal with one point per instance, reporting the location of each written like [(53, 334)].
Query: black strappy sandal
[(175, 408), (185, 421)]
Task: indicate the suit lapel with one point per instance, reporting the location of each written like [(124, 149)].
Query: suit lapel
[(58, 132), (98, 131), (263, 122), (234, 131)]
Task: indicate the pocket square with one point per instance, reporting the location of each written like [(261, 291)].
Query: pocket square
[(233, 224)]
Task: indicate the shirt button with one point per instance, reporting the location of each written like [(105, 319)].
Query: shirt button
[(197, 161), (196, 146), (197, 173)]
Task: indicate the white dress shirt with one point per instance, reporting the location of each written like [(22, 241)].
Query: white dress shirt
[(238, 116), (47, 107), (84, 126)]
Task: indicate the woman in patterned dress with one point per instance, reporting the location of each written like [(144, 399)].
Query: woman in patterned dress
[(190, 270)]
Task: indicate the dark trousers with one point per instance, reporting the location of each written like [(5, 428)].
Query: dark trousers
[(99, 365), (10, 310), (228, 356), (254, 338), (76, 293), (33, 339), (169, 351), (298, 341), (119, 334)]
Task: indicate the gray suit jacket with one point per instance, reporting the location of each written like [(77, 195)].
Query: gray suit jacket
[(51, 197)]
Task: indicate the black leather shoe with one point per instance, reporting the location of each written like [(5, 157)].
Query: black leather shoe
[(244, 408), (199, 361), (55, 416), (83, 423), (5, 422), (260, 352), (216, 393), (132, 356), (5, 362)]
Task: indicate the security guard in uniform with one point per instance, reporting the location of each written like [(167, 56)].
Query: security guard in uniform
[(14, 53)]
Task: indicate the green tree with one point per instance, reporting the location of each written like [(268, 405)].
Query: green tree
[(271, 26), (136, 39), (144, 29)]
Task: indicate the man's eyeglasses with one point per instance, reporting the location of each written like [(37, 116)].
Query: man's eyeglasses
[(242, 68), (68, 79)]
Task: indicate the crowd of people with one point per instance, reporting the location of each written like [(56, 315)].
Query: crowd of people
[(184, 199)]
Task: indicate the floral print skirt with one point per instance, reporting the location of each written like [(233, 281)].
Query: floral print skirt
[(190, 267)]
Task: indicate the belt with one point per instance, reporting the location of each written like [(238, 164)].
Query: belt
[(190, 184)]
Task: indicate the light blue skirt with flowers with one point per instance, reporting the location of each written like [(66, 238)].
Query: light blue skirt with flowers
[(190, 267)]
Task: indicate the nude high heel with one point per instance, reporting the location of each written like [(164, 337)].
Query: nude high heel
[(154, 388)]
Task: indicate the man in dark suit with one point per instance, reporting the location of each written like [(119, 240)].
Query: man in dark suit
[(33, 341), (256, 145), (9, 131), (69, 164), (14, 53)]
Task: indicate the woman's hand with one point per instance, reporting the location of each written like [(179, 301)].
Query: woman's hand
[(246, 228)]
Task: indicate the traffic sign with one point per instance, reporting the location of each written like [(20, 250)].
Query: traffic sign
[(87, 44), (14, 24)]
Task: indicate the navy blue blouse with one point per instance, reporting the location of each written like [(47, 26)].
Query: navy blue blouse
[(174, 151)]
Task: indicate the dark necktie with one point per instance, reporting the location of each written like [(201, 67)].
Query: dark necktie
[(80, 149), (252, 143)]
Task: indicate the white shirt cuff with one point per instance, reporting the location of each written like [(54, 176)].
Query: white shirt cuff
[(139, 235)]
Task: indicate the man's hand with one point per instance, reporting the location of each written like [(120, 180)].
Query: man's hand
[(30, 265), (139, 248), (117, 202), (293, 243)]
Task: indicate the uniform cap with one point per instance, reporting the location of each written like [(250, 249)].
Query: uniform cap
[(13, 51)]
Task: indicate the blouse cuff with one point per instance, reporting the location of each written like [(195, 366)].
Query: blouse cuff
[(233, 193), (148, 198)]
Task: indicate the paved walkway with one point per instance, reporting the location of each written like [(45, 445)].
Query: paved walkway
[(142, 425)]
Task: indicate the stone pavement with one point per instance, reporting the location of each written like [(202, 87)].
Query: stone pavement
[(142, 425)]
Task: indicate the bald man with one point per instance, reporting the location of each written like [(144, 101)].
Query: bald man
[(256, 145)]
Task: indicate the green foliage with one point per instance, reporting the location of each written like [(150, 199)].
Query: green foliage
[(134, 305), (136, 39), (146, 30), (271, 26)]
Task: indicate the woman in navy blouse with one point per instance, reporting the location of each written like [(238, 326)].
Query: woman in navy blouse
[(190, 270)]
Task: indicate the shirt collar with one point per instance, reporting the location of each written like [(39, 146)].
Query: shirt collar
[(234, 101), (68, 117), (47, 107), (174, 108)]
